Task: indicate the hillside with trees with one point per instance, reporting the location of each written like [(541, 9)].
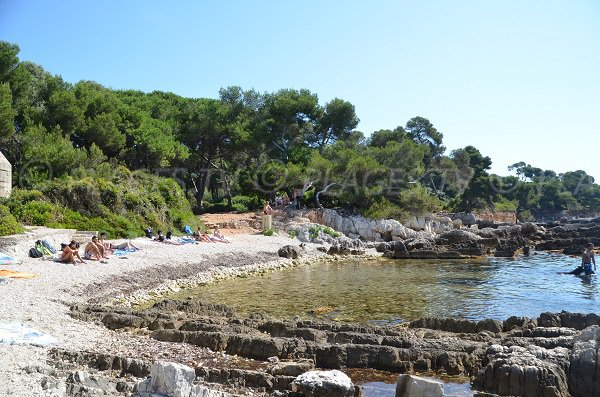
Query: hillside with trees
[(90, 157)]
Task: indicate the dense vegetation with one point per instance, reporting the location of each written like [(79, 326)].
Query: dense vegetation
[(90, 157)]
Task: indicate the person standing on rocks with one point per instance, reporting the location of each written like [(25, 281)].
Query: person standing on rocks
[(587, 258)]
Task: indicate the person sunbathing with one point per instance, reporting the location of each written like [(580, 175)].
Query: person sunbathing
[(218, 236), (162, 239), (201, 236), (94, 250), (70, 252), (110, 247)]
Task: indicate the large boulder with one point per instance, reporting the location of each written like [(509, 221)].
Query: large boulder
[(289, 251), (584, 374), (172, 379), (529, 371), (417, 386), (324, 384)]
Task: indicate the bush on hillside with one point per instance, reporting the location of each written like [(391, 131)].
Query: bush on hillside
[(122, 204), (8, 223)]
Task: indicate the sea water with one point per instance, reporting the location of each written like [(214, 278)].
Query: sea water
[(387, 291)]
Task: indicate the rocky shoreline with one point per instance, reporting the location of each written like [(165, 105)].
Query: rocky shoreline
[(555, 354), (108, 348)]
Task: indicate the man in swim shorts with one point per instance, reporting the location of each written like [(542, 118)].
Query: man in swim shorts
[(587, 258)]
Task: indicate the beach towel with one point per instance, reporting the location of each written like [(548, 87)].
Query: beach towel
[(7, 260), (20, 334), (15, 274), (124, 251), (186, 240)]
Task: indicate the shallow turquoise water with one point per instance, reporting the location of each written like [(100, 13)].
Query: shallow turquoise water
[(391, 291)]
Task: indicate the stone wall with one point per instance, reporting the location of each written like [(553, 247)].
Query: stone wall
[(5, 176)]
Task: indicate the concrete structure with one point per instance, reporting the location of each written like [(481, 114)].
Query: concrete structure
[(5, 176)]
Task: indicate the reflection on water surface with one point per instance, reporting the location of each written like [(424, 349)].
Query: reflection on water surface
[(384, 291)]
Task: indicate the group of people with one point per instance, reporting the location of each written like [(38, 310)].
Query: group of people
[(282, 201), (98, 249), (215, 237)]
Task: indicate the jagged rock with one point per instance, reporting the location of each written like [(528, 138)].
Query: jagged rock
[(519, 322), (383, 247), (460, 237), (423, 254), (549, 320), (203, 391), (172, 379), (292, 368), (584, 374), (417, 386), (573, 250), (289, 251), (324, 384), (526, 372), (419, 243), (489, 325), (528, 228)]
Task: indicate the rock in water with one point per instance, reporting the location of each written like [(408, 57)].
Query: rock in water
[(584, 374), (416, 386), (289, 251), (324, 384), (172, 379)]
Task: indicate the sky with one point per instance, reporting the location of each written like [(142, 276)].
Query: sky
[(519, 80)]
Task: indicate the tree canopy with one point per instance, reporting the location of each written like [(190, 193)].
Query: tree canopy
[(231, 151)]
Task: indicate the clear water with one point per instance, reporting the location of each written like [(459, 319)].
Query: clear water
[(388, 291)]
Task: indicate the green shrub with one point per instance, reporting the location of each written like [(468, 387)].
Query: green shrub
[(506, 205), (8, 223), (269, 232), (384, 209), (313, 231), (246, 203), (122, 204), (331, 232), (293, 233)]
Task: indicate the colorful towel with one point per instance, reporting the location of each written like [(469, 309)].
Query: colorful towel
[(124, 251), (20, 334), (15, 274), (7, 260), (186, 240)]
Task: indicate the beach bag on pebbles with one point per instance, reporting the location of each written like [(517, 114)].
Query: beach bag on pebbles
[(35, 253)]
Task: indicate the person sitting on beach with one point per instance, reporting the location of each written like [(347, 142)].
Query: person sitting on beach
[(70, 252), (202, 236), (218, 237), (110, 247), (94, 250)]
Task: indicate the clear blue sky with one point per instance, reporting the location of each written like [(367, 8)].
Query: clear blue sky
[(519, 80)]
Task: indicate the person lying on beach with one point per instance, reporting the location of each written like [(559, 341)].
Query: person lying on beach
[(162, 239), (94, 250), (218, 236), (110, 247), (70, 252)]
